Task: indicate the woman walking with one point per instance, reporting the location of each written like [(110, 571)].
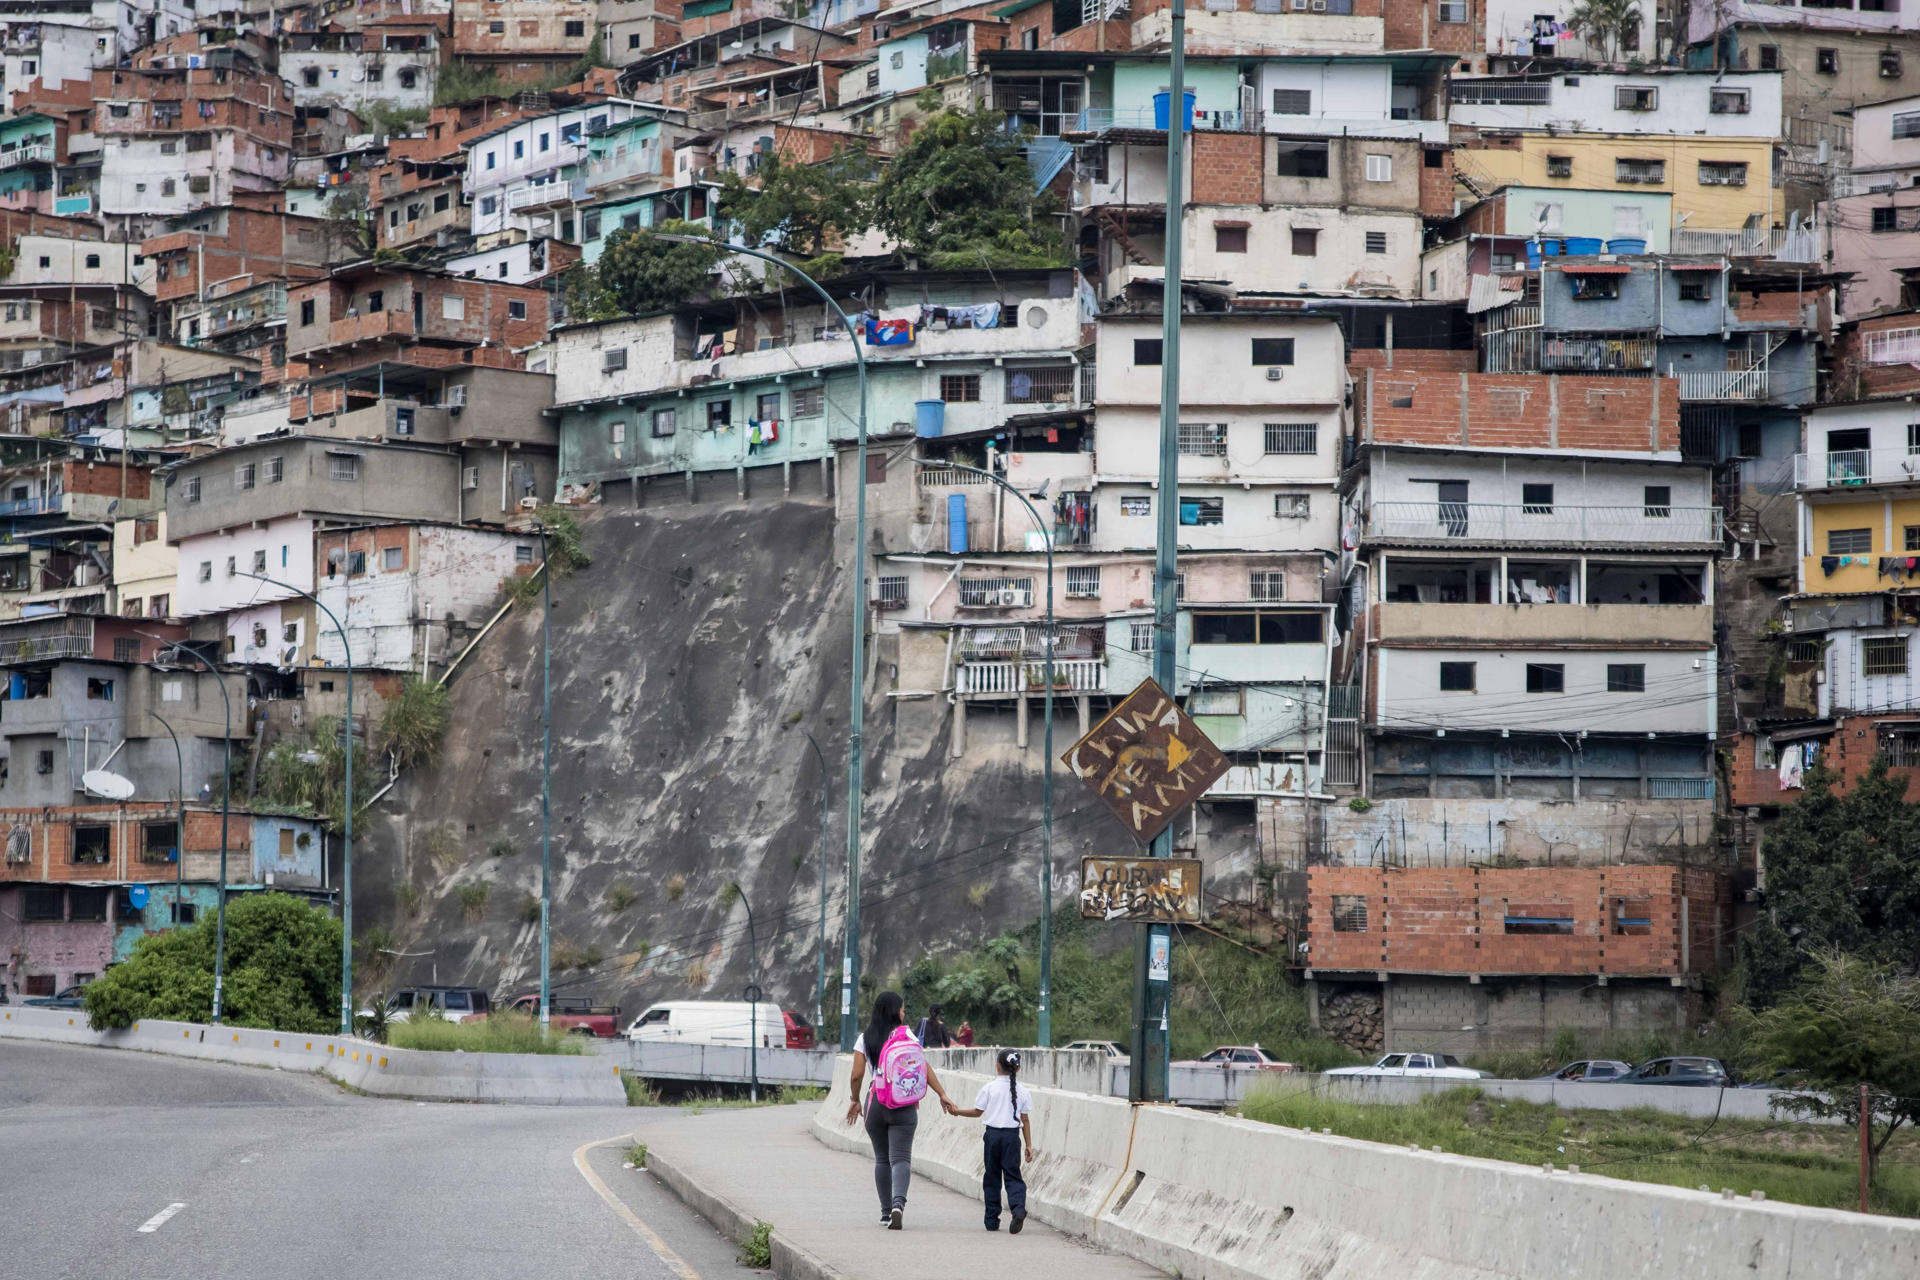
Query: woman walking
[(901, 1077)]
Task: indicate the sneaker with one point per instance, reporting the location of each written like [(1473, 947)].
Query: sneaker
[(1019, 1220), (993, 1226), (894, 1220), (886, 1220)]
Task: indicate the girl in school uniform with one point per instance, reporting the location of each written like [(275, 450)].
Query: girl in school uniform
[(1005, 1109)]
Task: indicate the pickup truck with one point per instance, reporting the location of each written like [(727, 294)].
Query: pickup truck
[(576, 1015)]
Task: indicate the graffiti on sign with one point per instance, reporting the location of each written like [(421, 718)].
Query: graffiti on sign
[(1150, 890), (1147, 760)]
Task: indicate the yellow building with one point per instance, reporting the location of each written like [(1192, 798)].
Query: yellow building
[(1715, 182), (1843, 542)]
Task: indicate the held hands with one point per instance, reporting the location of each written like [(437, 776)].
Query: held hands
[(946, 1105)]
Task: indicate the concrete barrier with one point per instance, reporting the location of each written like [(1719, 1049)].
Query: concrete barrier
[(1077, 1070), (541, 1079), (1219, 1198), (723, 1062)]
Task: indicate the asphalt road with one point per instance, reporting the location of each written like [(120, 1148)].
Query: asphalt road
[(118, 1163)]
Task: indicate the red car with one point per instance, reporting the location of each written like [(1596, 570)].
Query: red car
[(577, 1015)]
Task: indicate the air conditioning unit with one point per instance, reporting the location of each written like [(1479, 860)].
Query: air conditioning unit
[(457, 397), (1319, 6), (1274, 375), (529, 504), (1299, 6), (1014, 598)]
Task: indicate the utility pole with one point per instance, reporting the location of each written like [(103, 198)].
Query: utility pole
[(1866, 1142), (1148, 1081), (546, 781)]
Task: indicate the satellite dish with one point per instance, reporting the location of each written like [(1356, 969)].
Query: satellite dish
[(106, 785)]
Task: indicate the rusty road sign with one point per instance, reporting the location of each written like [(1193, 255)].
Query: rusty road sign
[(1140, 890), (1147, 760)]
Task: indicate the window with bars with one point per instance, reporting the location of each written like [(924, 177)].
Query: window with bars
[(809, 402), (1203, 439), (343, 466), (1349, 913), (1267, 584), (891, 592), (1902, 750), (276, 470), (1083, 581), (1136, 505), (1140, 637), (1292, 506), (1723, 173), (986, 592), (243, 476), (1048, 385), (1883, 656), (1625, 170), (1291, 438), (960, 388), (191, 487), (1201, 511)]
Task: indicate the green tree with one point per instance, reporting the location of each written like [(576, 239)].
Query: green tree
[(282, 971), (960, 195), (1608, 23), (1843, 873), (416, 722), (309, 775), (1850, 1022), (638, 272), (800, 206)]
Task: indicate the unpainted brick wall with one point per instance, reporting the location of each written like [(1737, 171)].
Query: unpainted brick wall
[(1227, 167), (1520, 410)]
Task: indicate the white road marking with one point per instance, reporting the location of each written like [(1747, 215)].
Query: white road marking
[(159, 1219), (661, 1249)]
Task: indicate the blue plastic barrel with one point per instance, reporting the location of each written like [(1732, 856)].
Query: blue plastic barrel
[(1550, 248), (1533, 255), (1630, 244), (957, 524), (1160, 102), (1583, 246), (929, 417)]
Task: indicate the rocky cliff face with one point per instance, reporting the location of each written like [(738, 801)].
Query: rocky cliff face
[(690, 659)]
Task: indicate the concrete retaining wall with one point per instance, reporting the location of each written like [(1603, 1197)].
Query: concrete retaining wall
[(733, 1063), (1217, 1198), (544, 1079)]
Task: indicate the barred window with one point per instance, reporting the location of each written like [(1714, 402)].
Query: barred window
[(1268, 584), (808, 402), (243, 476), (343, 466), (1292, 506), (892, 593), (960, 388), (1203, 439), (1883, 656), (1140, 637), (1083, 581), (1292, 437), (1349, 913)]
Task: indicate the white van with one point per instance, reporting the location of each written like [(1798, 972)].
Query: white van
[(721, 1022)]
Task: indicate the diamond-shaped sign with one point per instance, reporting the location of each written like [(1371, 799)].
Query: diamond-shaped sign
[(1148, 760)]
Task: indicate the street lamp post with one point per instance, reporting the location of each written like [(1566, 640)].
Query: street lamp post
[(1045, 1030), (546, 782), (850, 960), (180, 816), (346, 857), (826, 825), (226, 796), (753, 995)]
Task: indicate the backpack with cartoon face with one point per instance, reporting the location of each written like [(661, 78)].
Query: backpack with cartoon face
[(900, 1077)]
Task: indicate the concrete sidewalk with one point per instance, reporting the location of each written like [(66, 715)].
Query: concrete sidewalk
[(763, 1164)]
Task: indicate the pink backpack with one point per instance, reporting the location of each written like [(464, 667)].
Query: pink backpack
[(900, 1078)]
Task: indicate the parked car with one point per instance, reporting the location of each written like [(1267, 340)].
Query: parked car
[(1590, 1069), (1442, 1066), (455, 1004), (721, 1022), (576, 1015), (68, 998), (1112, 1048), (1703, 1073), (1238, 1057)]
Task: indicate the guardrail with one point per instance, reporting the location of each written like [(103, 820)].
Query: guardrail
[(1853, 468), (1542, 524), (721, 1063), (1070, 675), (1724, 384)]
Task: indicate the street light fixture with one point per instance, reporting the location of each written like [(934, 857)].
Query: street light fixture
[(1045, 1029), (850, 960), (346, 857), (226, 798)]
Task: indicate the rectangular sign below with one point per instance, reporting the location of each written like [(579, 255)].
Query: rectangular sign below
[(1140, 890)]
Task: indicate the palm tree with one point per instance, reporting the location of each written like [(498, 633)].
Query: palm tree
[(1606, 22)]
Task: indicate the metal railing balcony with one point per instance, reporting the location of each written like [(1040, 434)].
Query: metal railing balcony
[(1894, 346), (1467, 523), (1100, 119), (1724, 384), (1855, 468), (1006, 679), (1504, 93)]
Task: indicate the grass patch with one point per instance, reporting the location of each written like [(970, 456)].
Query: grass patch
[(621, 896), (474, 898), (637, 1155), (757, 1249), (496, 1033), (1798, 1163), (640, 1093)]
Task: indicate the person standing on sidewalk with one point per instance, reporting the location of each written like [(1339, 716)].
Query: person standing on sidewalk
[(890, 1128), (1005, 1110)]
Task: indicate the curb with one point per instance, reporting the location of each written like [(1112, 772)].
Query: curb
[(790, 1262)]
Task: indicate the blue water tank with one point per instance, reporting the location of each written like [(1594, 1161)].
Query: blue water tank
[(957, 524), (1160, 103), (1583, 246), (1632, 244), (929, 417)]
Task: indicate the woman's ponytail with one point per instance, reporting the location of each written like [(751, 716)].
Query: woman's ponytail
[(1010, 1063)]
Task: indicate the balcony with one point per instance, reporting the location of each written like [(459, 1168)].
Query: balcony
[(1008, 679), (1745, 385), (46, 640), (37, 506), (1894, 346), (546, 195), (32, 153), (1477, 625), (1101, 119), (1855, 468), (1491, 524)]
